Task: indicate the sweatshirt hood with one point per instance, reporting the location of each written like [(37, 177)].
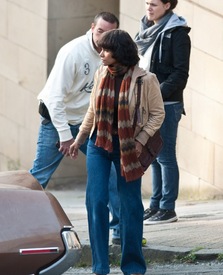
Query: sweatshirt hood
[(175, 21)]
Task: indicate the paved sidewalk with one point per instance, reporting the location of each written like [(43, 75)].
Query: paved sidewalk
[(198, 231)]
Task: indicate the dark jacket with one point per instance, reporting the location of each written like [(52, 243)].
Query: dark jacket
[(173, 67)]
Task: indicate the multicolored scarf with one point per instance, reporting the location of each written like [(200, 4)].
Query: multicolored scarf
[(130, 166)]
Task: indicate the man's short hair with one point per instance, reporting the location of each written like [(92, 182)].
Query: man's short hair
[(107, 16)]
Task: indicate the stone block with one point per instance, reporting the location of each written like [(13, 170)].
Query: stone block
[(208, 191), (9, 56), (9, 141), (194, 188), (27, 147), (129, 24), (3, 18), (204, 32), (80, 8), (213, 82), (186, 119), (207, 116), (39, 7), (32, 71), (3, 84), (32, 120), (218, 171), (132, 9), (197, 70), (195, 154), (27, 30), (15, 99), (189, 186), (215, 5), (201, 79)]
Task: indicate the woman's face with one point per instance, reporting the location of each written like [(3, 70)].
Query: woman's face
[(106, 57), (156, 9)]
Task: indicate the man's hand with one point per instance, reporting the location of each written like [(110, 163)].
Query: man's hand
[(65, 147), (74, 150)]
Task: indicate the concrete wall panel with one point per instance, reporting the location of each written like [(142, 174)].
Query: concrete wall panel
[(214, 5), (208, 32), (132, 9), (27, 30), (207, 118), (195, 154), (39, 7), (80, 8), (32, 71), (218, 160), (3, 18), (9, 56)]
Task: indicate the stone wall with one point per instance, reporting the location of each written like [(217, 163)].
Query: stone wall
[(200, 143)]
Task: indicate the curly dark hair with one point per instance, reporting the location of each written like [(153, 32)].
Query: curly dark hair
[(122, 46), (173, 3)]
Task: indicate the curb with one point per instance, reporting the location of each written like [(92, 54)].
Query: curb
[(159, 254)]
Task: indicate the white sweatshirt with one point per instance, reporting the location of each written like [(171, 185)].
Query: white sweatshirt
[(67, 90)]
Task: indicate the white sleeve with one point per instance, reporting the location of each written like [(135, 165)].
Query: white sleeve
[(58, 85)]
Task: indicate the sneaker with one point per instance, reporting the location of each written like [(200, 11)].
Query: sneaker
[(149, 212), (162, 216)]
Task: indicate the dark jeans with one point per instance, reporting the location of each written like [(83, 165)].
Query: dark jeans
[(165, 172)]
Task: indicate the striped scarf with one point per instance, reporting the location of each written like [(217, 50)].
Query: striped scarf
[(130, 166)]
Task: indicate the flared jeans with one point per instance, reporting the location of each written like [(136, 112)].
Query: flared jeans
[(131, 211)]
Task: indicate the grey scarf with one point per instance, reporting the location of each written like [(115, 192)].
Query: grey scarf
[(149, 32)]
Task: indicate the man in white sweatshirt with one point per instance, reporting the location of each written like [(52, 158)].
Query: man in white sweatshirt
[(64, 101)]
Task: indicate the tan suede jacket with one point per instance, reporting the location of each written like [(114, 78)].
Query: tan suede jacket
[(151, 109)]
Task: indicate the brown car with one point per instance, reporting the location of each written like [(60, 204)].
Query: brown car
[(36, 236)]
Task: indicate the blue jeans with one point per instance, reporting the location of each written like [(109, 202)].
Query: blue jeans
[(165, 172), (114, 203), (48, 159), (131, 211), (48, 156)]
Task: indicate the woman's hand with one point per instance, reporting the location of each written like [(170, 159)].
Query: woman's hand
[(138, 148), (74, 150)]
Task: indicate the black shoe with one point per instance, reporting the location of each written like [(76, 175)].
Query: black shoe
[(162, 216), (149, 212)]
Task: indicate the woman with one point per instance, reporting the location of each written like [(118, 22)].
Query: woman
[(164, 44), (109, 122)]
